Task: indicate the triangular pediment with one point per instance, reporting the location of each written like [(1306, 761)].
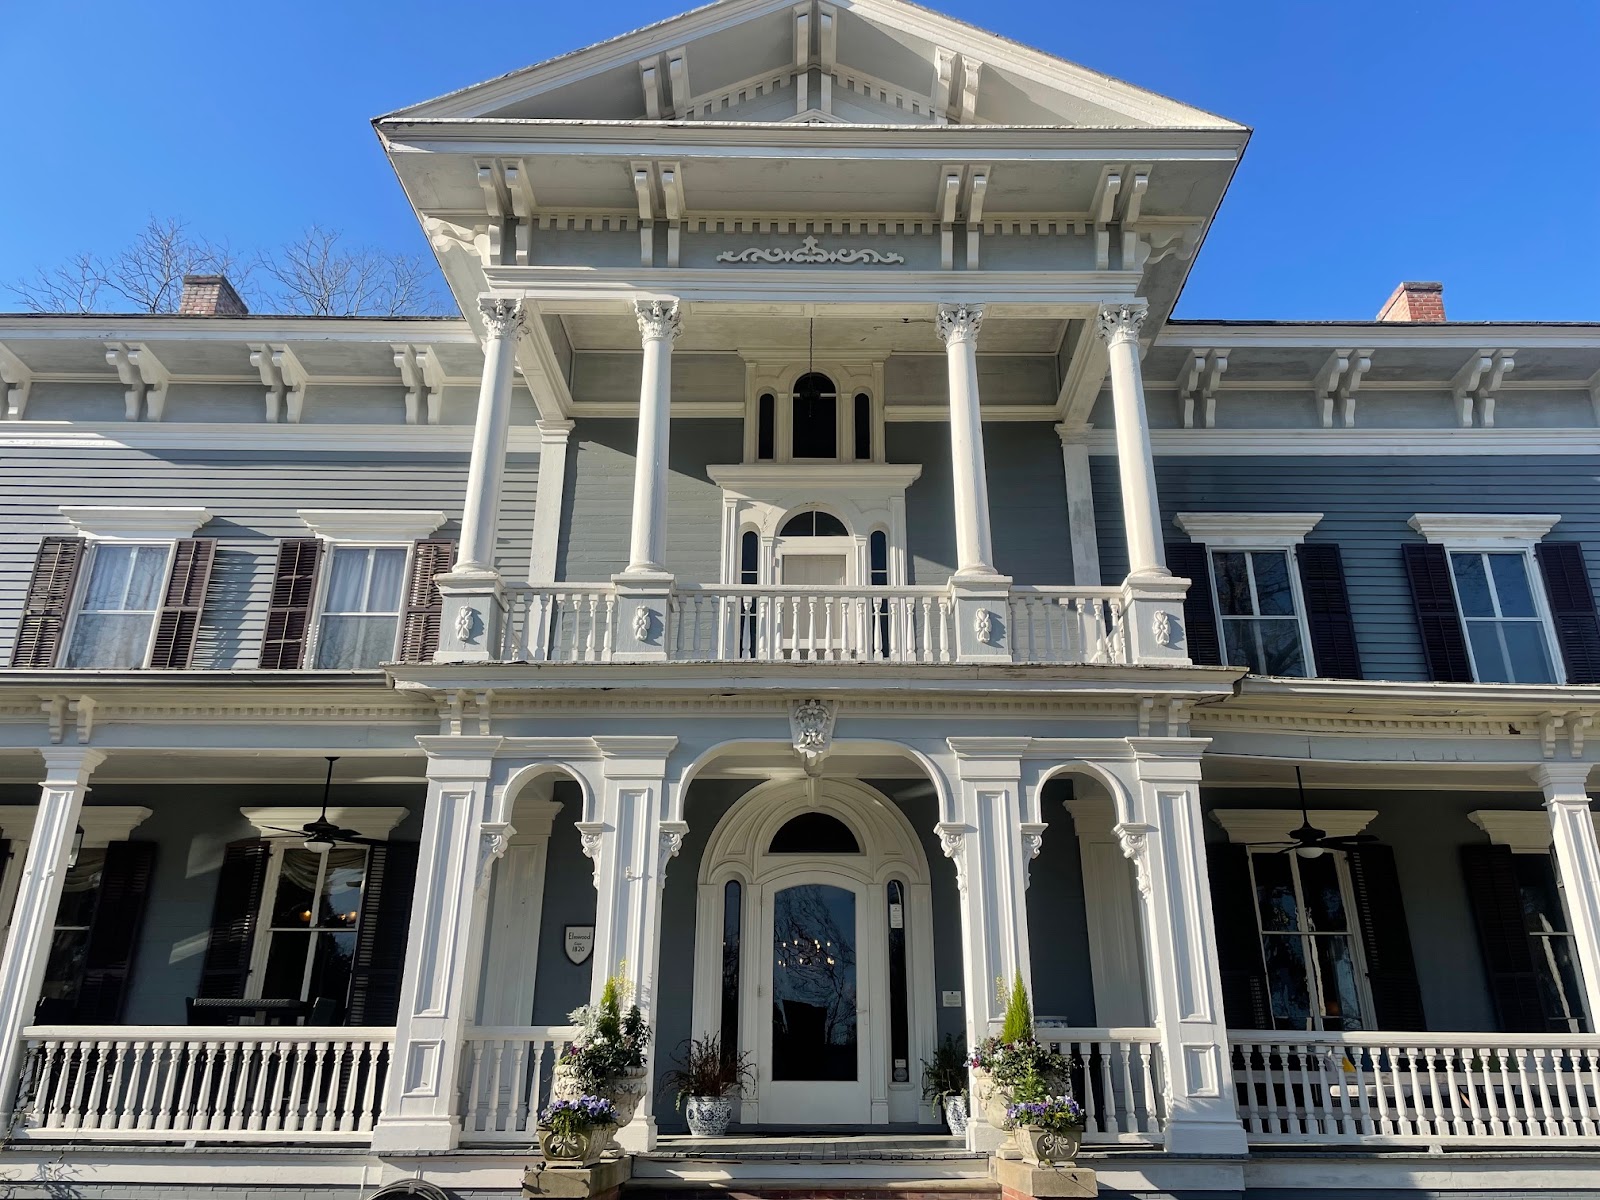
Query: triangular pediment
[(860, 61)]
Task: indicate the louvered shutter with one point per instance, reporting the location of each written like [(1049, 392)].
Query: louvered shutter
[(1566, 586), (419, 632), (1386, 939), (225, 974), (178, 622), (1444, 644), (385, 929), (294, 587), (1246, 999), (1503, 938), (1192, 561), (114, 933), (1333, 633), (49, 598)]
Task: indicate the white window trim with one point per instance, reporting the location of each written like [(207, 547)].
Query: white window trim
[(102, 824), (850, 379), (371, 526), (1245, 532), (1497, 533), (69, 629), (319, 603), (262, 948), (110, 523)]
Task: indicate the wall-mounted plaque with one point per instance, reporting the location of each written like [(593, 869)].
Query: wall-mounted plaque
[(579, 943)]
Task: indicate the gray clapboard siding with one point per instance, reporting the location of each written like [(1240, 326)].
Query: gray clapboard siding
[(253, 497), (1366, 502), (598, 507), (1027, 500)]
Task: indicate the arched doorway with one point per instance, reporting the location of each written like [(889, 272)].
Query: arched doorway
[(814, 953)]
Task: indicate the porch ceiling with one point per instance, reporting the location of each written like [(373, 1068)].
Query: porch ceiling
[(301, 771)]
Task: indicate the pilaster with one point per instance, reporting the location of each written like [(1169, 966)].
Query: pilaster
[(27, 951), (444, 946), (1119, 327), (1577, 854)]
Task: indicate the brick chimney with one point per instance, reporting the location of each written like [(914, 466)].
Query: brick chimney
[(210, 296), (1415, 302)]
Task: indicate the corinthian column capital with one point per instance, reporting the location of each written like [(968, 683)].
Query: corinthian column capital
[(503, 316), (1121, 322), (657, 318), (959, 322)]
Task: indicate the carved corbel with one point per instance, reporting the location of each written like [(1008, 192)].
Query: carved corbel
[(423, 378), (811, 731), (284, 379), (16, 381), (1032, 842), (590, 836), (668, 842), (1476, 383), (1101, 210), (1132, 837), (146, 379), (952, 840), (1200, 384), (494, 838)]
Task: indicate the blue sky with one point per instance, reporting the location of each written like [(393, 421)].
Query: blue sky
[(1453, 139)]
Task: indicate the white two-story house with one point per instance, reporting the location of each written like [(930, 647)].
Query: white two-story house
[(812, 529)]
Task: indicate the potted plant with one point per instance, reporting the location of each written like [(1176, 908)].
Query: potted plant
[(575, 1133), (1048, 1128), (703, 1075), (944, 1082), (607, 1058), (1002, 1062)]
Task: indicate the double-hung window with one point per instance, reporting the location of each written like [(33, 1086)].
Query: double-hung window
[(1308, 943), (307, 945), (1255, 584), (1555, 964), (360, 620), (117, 607), (1506, 632)]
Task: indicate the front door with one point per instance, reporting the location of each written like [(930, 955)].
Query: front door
[(814, 1035)]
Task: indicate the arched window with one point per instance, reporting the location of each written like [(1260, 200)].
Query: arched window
[(814, 833), (816, 417), (863, 426), (813, 523)]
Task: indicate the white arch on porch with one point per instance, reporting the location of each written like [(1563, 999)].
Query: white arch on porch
[(891, 850)]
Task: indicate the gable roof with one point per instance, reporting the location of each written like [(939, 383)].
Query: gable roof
[(878, 61)]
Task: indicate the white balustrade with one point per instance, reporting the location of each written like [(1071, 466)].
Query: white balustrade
[(505, 1081), (1116, 1076), (189, 1084), (1430, 1089), (576, 623)]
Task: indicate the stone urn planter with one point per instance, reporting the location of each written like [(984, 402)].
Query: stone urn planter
[(989, 1098), (708, 1116), (625, 1092), (579, 1148), (1047, 1148), (955, 1114)]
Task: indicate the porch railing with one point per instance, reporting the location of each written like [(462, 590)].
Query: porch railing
[(1410, 1088), (1116, 1076), (577, 623), (505, 1081), (191, 1084)]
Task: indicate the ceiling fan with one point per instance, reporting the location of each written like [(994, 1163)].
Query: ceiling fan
[(322, 835), (1310, 842)]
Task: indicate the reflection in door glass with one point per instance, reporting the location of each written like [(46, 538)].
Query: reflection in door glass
[(814, 983)]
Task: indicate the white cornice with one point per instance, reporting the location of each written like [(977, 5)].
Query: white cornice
[(755, 479), (127, 524), (101, 824), (1220, 529), (1523, 832), (1312, 442), (1255, 826), (1484, 531), (371, 525), (376, 823)]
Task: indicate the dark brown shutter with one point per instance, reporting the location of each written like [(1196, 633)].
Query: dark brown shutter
[(1191, 561), (1246, 1000), (1386, 939), (44, 610), (178, 622), (385, 929), (1444, 644), (114, 933), (419, 634), (294, 587), (1503, 938), (1566, 586), (225, 975), (1333, 633)]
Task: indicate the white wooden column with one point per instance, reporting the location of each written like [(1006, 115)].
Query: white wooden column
[(1577, 853), (1119, 327), (439, 980), (659, 324), (516, 916), (472, 625), (958, 326), (1164, 836), (1116, 967), (991, 843), (631, 839), (27, 952)]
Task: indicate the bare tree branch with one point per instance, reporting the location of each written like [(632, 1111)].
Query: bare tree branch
[(147, 276), (70, 287), (318, 276)]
